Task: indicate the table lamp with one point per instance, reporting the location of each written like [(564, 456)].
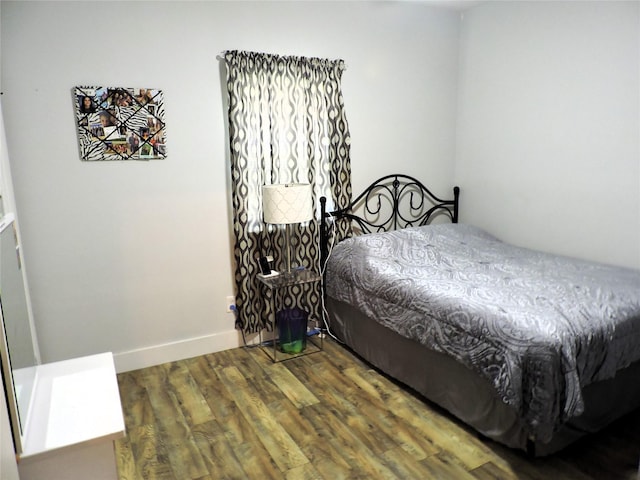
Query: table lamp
[(285, 204)]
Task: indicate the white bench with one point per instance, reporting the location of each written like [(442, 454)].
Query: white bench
[(74, 417)]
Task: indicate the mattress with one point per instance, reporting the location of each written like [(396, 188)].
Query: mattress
[(537, 327)]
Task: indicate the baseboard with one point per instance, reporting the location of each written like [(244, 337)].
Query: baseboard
[(169, 352)]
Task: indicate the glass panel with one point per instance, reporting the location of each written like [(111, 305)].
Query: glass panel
[(21, 353)]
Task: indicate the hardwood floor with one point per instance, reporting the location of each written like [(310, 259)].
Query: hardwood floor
[(234, 414)]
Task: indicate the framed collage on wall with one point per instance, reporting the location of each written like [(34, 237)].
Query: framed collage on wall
[(120, 123)]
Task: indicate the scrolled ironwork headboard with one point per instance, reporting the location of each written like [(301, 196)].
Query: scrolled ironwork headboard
[(390, 203)]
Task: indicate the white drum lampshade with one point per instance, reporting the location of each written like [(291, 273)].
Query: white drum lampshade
[(287, 203)]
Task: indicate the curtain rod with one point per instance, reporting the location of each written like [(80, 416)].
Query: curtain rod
[(221, 55)]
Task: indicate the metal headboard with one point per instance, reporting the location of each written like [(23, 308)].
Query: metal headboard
[(390, 203)]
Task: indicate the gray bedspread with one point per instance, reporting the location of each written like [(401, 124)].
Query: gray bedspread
[(538, 326)]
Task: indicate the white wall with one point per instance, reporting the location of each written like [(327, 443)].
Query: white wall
[(135, 257), (548, 148)]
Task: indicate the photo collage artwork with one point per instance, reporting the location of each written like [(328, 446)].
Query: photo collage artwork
[(120, 123)]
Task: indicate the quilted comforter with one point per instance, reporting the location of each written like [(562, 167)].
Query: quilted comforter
[(538, 326)]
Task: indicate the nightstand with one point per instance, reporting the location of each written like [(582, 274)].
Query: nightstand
[(274, 286)]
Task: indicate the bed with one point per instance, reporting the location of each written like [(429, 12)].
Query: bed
[(531, 349)]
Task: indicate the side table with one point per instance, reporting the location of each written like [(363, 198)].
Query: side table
[(272, 284)]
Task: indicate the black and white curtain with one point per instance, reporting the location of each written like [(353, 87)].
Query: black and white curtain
[(287, 124)]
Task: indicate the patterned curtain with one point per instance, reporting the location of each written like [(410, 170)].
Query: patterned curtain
[(286, 125)]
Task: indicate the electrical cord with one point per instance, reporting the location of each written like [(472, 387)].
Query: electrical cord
[(325, 313), (240, 326), (266, 343)]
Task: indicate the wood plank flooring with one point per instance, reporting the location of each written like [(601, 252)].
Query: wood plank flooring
[(235, 415)]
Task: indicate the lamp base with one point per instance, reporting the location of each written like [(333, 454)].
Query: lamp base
[(288, 239)]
